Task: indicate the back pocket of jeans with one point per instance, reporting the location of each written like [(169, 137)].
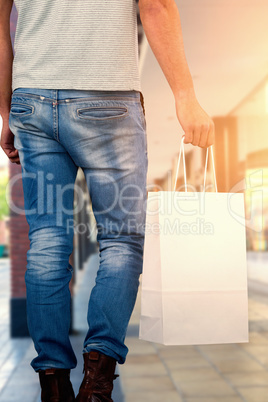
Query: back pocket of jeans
[(102, 112), (21, 109)]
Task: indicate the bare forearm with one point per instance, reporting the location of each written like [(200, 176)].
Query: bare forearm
[(6, 60), (162, 26)]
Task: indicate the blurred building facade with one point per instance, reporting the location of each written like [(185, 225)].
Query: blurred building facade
[(241, 163)]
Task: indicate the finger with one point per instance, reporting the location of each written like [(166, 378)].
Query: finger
[(14, 157), (211, 136), (196, 136), (15, 160), (188, 137), (10, 151), (13, 154), (204, 137)]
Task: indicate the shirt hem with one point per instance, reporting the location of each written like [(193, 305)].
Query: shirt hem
[(56, 84)]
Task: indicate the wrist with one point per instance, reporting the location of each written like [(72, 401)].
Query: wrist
[(185, 94), (5, 110)]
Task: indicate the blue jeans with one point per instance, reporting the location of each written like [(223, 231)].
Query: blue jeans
[(103, 132)]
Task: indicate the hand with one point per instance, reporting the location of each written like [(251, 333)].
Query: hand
[(197, 125), (7, 140)]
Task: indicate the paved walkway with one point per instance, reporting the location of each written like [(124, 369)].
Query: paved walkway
[(205, 373), (152, 372), (18, 380)]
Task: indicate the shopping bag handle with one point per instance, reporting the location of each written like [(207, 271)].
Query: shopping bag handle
[(184, 167)]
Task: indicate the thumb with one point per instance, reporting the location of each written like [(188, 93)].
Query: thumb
[(11, 151)]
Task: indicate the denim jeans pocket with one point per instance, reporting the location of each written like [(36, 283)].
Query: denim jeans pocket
[(21, 109), (102, 112)]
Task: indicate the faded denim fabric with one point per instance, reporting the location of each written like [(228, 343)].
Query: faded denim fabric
[(103, 132)]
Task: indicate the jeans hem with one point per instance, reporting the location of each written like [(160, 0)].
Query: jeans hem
[(52, 365), (106, 351)]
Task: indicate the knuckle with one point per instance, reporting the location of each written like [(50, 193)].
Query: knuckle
[(205, 126), (203, 144), (188, 138)]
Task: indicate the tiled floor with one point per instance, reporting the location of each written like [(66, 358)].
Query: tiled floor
[(205, 373), (152, 372)]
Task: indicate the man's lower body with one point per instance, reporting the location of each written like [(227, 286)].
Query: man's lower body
[(104, 133)]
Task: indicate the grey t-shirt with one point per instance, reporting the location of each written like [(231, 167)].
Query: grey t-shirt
[(76, 44)]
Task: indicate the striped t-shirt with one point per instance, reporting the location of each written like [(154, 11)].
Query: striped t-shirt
[(76, 44)]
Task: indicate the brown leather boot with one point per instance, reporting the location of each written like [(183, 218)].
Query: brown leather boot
[(97, 384), (56, 385)]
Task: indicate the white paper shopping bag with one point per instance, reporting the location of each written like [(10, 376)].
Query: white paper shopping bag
[(194, 281)]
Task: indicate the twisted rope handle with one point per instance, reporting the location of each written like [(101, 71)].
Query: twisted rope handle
[(184, 167)]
